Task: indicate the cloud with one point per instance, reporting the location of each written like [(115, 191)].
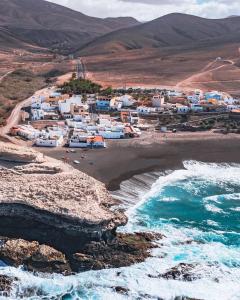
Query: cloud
[(145, 10), (159, 3)]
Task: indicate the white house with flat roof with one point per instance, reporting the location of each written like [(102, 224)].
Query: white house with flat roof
[(48, 141), (182, 109), (157, 101), (37, 114), (65, 105)]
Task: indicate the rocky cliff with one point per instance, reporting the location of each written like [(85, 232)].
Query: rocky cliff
[(54, 218), (53, 203)]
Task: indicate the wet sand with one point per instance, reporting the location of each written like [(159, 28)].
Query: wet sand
[(152, 152)]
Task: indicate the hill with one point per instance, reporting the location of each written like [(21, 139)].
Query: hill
[(8, 40), (172, 30), (53, 26)]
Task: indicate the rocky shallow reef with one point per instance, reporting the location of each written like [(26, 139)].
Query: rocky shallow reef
[(54, 218)]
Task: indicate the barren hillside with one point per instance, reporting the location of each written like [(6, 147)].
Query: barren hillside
[(50, 25)]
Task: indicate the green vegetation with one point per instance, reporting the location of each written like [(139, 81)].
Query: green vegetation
[(107, 92), (16, 87), (53, 73), (80, 86)]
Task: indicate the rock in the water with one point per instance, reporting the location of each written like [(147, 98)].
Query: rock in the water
[(185, 298), (120, 290), (125, 250), (17, 251), (146, 296), (150, 236), (6, 284), (48, 254), (34, 257), (184, 272), (47, 259)]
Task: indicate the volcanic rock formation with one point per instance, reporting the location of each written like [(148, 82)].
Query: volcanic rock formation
[(58, 219)]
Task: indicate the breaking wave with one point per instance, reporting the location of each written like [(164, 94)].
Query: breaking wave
[(197, 209)]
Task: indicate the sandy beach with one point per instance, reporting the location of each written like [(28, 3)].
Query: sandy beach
[(152, 152)]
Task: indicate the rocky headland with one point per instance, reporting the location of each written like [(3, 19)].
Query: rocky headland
[(54, 218)]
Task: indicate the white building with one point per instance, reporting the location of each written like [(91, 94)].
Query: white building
[(157, 101), (86, 141), (105, 120), (91, 99), (40, 103), (65, 105), (193, 99), (182, 109), (48, 106), (134, 117), (230, 101), (37, 114), (111, 134), (174, 94), (196, 107), (26, 131), (48, 141), (232, 107), (55, 94), (126, 100), (144, 110)]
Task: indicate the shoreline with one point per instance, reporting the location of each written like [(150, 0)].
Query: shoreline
[(152, 152), (61, 217)]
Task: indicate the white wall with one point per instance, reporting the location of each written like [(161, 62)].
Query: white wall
[(111, 134), (65, 106)]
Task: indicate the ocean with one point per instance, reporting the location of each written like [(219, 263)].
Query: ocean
[(197, 209)]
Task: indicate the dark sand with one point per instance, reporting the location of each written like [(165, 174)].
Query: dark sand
[(152, 152)]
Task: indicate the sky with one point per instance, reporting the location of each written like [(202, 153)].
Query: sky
[(146, 10)]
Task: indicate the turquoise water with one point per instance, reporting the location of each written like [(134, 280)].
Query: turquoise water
[(198, 211)]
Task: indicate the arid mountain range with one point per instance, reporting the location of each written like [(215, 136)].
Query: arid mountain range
[(53, 26), (172, 30), (174, 50)]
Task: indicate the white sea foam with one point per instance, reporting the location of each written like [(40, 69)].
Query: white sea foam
[(217, 264), (219, 174), (136, 278), (235, 209), (223, 197), (213, 208), (212, 223), (168, 199)]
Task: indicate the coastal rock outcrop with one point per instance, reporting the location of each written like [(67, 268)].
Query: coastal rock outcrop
[(183, 271), (33, 256), (58, 219), (6, 284), (9, 152), (126, 249), (54, 204), (120, 290)]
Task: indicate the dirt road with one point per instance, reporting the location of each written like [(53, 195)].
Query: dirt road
[(16, 113), (197, 78), (5, 75)]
